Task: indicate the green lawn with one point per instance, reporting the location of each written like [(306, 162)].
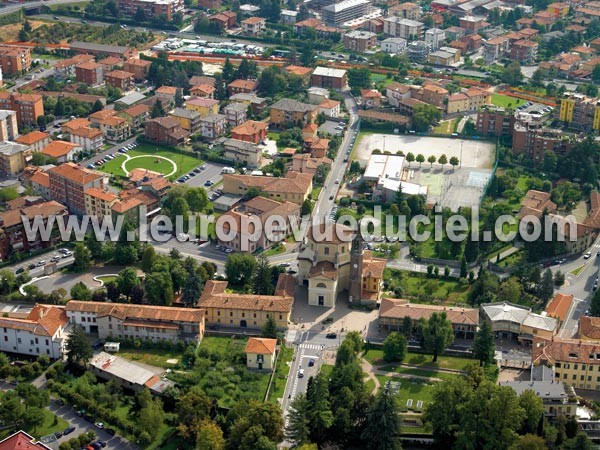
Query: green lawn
[(577, 271), (281, 374), (410, 389), (185, 163), (51, 424), (506, 101), (155, 357), (446, 126), (375, 356), (420, 288), (107, 279)]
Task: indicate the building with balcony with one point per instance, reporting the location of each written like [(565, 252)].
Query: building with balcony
[(90, 73), (291, 111), (27, 106), (13, 158), (68, 183), (152, 8), (338, 13), (119, 79), (403, 28), (359, 41), (89, 139), (165, 130)]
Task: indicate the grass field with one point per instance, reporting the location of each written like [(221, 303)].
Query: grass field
[(375, 356), (49, 426), (281, 374), (410, 389), (416, 285), (446, 126), (185, 163), (154, 357), (506, 101)]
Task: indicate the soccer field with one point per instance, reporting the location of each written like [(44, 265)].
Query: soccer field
[(153, 158)]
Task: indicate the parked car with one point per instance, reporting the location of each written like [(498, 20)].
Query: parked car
[(58, 434), (20, 270), (587, 255), (55, 258), (110, 431), (99, 425), (331, 335), (41, 263), (31, 266), (68, 430), (301, 373), (311, 362)]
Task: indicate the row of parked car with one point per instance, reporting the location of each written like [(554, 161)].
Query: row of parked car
[(224, 249), (192, 174), (62, 254)]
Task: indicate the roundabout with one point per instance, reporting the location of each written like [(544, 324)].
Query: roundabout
[(146, 166)]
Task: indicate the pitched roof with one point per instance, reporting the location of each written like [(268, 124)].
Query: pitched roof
[(564, 350), (101, 194), (169, 90), (261, 346), (398, 309), (40, 178), (140, 312), (137, 110), (75, 173), (253, 20), (559, 306), (21, 441), (287, 104), (103, 114), (121, 74), (76, 123), (298, 70), (249, 128), (202, 102), (43, 320), (249, 85), (32, 137), (56, 149), (87, 132)]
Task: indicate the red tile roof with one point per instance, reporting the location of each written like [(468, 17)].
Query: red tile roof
[(261, 346)]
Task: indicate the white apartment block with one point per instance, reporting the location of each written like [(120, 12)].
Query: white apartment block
[(395, 46), (404, 28), (434, 37)]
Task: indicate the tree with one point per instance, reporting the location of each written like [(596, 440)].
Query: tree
[(394, 347), (463, 267), (529, 442), (269, 329), (157, 110), (192, 289), (80, 291), (179, 98), (158, 287), (483, 345), (410, 157), (306, 207), (239, 268), (196, 198), (425, 115), (148, 259), (153, 417), (320, 414), (443, 159), (382, 431), (209, 436), (257, 425), (546, 287), (359, 79), (559, 278), (550, 161), (83, 258), (512, 74), (297, 429), (534, 411), (596, 73), (262, 279), (8, 281), (420, 159), (77, 347), (432, 159), (140, 15), (454, 162), (437, 333), (509, 290), (33, 418), (407, 327), (127, 280)]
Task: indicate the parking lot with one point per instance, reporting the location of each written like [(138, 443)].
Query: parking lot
[(36, 265), (212, 173), (109, 156), (333, 127)]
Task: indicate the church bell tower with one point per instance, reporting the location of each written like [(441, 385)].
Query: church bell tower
[(356, 257)]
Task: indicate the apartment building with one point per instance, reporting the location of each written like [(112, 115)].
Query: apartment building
[(138, 67), (114, 128), (331, 108), (250, 131), (68, 183), (235, 113), (242, 87), (253, 26), (14, 60), (188, 119), (203, 106), (328, 78), (89, 139), (394, 46), (434, 37), (203, 90), (293, 187), (90, 73), (42, 332), (35, 140), (62, 151), (345, 11), (135, 115), (403, 28), (166, 95), (495, 49), (465, 321), (165, 130), (472, 24), (248, 310), (8, 125), (13, 158), (359, 41), (245, 153), (534, 141), (119, 79), (495, 121), (65, 68), (213, 126), (524, 51), (456, 103), (407, 10), (27, 106), (14, 240), (152, 8), (99, 202), (574, 361), (287, 111), (261, 209), (445, 56), (580, 112), (128, 321)]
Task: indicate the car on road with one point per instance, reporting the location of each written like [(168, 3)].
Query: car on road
[(68, 430), (31, 266), (337, 181), (41, 263), (99, 425), (285, 264), (331, 197), (331, 335), (301, 373), (55, 258), (19, 270), (587, 255), (208, 183), (229, 250), (311, 362)]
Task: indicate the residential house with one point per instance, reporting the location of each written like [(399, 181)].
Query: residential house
[(204, 106), (407, 10), (225, 20), (242, 87), (260, 353), (292, 187), (135, 115), (146, 322), (166, 95), (524, 51), (153, 9), (14, 239), (287, 111), (316, 95), (288, 17), (65, 68), (328, 78), (115, 128), (253, 26), (89, 73), (306, 163), (74, 124), (14, 60), (250, 131), (35, 140), (434, 37), (8, 126), (119, 79), (243, 152), (495, 49), (235, 113), (28, 107), (39, 181), (359, 41), (445, 56), (396, 93), (247, 310), (331, 108), (213, 126), (13, 158), (559, 306), (68, 183), (433, 94), (89, 139), (465, 321), (111, 63), (403, 28), (138, 67), (456, 103), (478, 98), (165, 130), (370, 98), (188, 119), (257, 103), (300, 71), (394, 45), (203, 91)]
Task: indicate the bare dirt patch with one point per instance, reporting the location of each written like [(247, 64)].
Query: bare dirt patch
[(11, 32)]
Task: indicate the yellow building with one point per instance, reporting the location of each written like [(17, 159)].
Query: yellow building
[(457, 103), (247, 310), (260, 353), (567, 106), (292, 111), (99, 202), (582, 113), (294, 187), (187, 118), (13, 158), (558, 9), (204, 106)]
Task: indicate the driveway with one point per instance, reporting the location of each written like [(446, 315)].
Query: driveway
[(68, 280)]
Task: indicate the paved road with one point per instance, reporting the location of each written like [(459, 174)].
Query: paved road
[(39, 271), (11, 8)]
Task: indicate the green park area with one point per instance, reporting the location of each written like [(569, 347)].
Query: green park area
[(153, 158), (506, 101), (421, 360), (421, 287)]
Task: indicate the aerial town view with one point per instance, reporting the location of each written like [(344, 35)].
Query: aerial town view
[(311, 225)]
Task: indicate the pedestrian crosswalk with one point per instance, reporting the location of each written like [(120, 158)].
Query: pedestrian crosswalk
[(311, 346)]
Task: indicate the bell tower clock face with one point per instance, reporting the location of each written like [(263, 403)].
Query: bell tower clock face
[(356, 266)]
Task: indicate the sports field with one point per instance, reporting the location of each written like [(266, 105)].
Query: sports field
[(154, 158)]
